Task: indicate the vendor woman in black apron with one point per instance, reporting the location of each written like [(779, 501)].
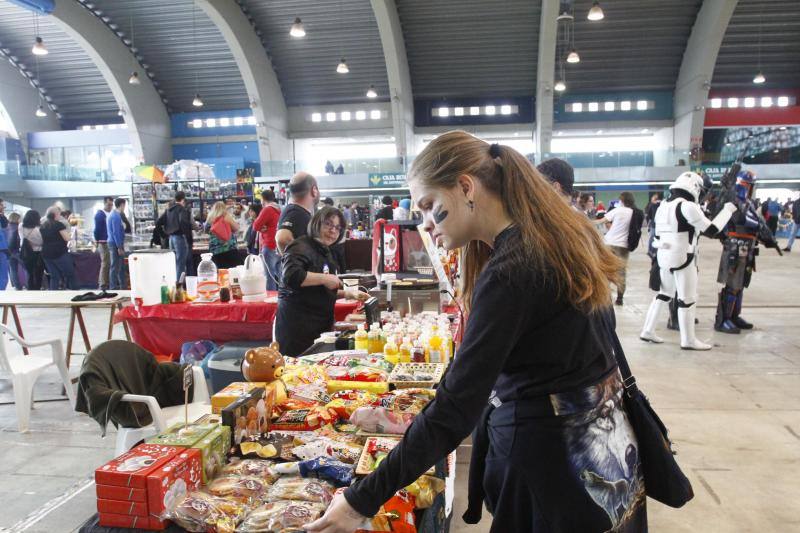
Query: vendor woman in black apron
[(310, 286), (553, 450)]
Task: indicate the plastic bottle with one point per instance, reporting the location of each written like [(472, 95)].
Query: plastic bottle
[(435, 344), (391, 352), (362, 338), (164, 290), (418, 353), (374, 336), (206, 270), (405, 350)]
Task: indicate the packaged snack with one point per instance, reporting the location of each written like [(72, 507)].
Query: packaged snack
[(345, 402), (281, 517), (231, 393), (245, 489), (396, 515), (381, 420), (298, 488), (374, 362), (272, 446), (181, 435), (200, 512), (314, 393), (305, 419), (214, 448), (356, 373), (336, 472), (424, 490), (169, 484), (286, 469), (324, 447), (132, 467), (249, 415), (293, 404), (379, 387), (250, 467), (406, 400)]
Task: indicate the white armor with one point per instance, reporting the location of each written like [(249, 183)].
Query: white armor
[(678, 225)]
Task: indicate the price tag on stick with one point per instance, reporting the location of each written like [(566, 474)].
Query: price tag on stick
[(188, 378)]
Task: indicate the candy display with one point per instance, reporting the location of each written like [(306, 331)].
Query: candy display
[(281, 517)]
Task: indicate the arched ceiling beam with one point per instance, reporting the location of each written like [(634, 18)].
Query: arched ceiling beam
[(144, 112), (545, 72), (697, 68), (19, 98), (394, 52), (263, 89)]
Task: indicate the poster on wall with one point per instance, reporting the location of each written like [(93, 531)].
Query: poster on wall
[(387, 180)]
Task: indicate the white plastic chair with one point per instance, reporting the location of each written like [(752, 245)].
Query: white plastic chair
[(24, 370), (164, 417)]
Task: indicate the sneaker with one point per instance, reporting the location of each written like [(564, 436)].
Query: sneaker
[(727, 327), (787, 249), (741, 323), (619, 301)]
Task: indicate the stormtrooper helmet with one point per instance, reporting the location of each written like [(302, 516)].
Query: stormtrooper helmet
[(691, 183)]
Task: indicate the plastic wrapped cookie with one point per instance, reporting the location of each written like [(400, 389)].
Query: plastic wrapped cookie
[(243, 488), (301, 489), (200, 512), (250, 467), (281, 517)]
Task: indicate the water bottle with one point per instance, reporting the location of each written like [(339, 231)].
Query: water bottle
[(206, 270)]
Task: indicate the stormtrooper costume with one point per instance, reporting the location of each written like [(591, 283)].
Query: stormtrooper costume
[(679, 223)]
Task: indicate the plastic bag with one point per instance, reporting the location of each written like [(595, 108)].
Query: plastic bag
[(381, 420), (335, 472), (250, 467), (194, 352), (298, 488), (200, 512), (281, 517), (246, 489), (357, 373)]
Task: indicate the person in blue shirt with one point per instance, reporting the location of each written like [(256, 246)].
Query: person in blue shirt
[(116, 243), (101, 240)]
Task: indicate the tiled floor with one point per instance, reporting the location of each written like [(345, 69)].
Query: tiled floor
[(734, 413)]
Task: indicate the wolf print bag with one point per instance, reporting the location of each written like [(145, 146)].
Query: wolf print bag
[(663, 479)]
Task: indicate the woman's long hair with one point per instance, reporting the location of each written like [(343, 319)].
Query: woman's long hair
[(217, 210), (557, 241), (32, 219)]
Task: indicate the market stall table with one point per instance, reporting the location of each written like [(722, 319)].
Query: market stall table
[(11, 300), (162, 329)]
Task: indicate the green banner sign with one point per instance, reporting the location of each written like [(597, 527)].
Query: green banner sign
[(715, 172), (385, 180)]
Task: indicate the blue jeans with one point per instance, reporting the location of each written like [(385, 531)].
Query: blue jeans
[(792, 234), (273, 261), (61, 269), (178, 244), (3, 269), (117, 279)]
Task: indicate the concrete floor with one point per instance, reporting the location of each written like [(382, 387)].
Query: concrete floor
[(734, 414)]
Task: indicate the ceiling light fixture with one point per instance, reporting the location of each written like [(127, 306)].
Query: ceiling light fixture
[(40, 112), (342, 67), (596, 12), (759, 78), (560, 86), (297, 31), (573, 57), (39, 48), (197, 102), (371, 92), (134, 79)]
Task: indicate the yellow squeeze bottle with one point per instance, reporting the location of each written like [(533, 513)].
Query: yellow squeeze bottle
[(391, 352), (405, 350), (362, 339), (435, 343), (374, 336)]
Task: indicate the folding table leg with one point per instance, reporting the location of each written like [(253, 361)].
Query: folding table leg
[(111, 321), (84, 333), (17, 322), (70, 333)]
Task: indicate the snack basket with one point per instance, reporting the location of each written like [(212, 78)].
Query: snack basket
[(434, 369)]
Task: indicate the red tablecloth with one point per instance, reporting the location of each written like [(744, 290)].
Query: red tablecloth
[(162, 329)]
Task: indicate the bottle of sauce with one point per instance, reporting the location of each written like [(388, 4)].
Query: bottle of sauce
[(405, 350), (391, 351), (362, 339)]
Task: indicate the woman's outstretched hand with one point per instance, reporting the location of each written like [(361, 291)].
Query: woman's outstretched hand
[(339, 518)]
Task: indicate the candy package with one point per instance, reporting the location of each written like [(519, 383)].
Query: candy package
[(378, 387), (345, 402), (281, 517), (200, 512), (424, 490), (272, 446), (298, 488), (293, 404), (357, 373), (246, 489), (374, 362), (381, 420), (316, 392), (336, 472), (406, 400), (396, 516), (250, 467), (305, 419), (324, 447)]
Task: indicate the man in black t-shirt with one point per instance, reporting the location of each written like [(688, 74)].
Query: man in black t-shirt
[(296, 216)]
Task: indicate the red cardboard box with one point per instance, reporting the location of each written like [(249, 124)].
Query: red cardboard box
[(125, 494), (122, 507), (132, 467), (169, 483), (138, 522)]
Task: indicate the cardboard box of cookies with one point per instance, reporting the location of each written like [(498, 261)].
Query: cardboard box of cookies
[(231, 393), (169, 484), (132, 467)]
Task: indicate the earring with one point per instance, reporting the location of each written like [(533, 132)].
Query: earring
[(471, 205)]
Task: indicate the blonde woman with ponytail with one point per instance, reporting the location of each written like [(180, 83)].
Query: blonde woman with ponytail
[(553, 450)]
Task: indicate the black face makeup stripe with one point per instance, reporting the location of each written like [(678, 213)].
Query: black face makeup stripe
[(440, 215)]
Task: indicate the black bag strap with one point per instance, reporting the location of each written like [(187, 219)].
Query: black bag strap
[(628, 381)]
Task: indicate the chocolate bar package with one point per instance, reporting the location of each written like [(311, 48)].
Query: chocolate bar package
[(231, 393), (249, 415), (183, 436), (169, 484), (132, 467)]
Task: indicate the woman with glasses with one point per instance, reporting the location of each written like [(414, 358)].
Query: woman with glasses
[(310, 285)]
